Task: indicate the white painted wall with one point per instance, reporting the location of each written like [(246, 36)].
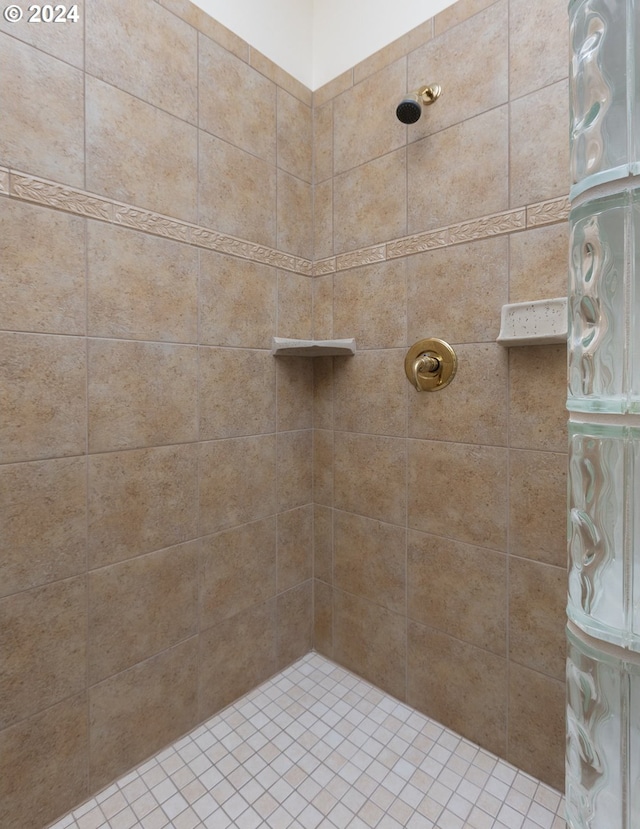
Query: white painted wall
[(316, 40), (347, 31)]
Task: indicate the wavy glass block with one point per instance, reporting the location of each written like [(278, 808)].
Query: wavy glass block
[(600, 101), (633, 291), (603, 735), (596, 529), (597, 308), (594, 761), (604, 547)]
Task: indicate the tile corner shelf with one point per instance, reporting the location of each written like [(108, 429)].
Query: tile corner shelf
[(534, 323), (284, 347)]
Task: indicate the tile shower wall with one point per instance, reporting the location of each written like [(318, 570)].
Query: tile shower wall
[(440, 552), (155, 488), (157, 498)]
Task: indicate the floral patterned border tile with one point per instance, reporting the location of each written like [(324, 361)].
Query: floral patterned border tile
[(4, 181), (324, 266), (494, 225), (31, 188), (418, 243), (548, 212), (363, 256)]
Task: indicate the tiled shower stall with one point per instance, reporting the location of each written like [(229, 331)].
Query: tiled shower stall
[(183, 514)]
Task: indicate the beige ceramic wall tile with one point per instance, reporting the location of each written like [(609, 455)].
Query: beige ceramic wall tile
[(419, 35), (474, 482), (537, 618), (295, 216), (141, 607), (43, 413), (536, 725), (322, 297), (295, 311), (537, 506), (237, 481), (280, 76), (536, 175), (242, 201), (471, 168), (42, 132), (43, 648), (539, 263), (371, 641), (370, 393), (141, 287), (370, 475), (457, 293), (323, 543), (43, 516), (332, 88), (294, 623), (538, 45), (458, 589), (237, 392), (236, 656), (200, 20), (46, 756), (370, 305), (458, 12), (237, 103), (323, 472), (476, 48), (238, 301), (364, 122), (322, 142), (323, 392), (139, 154), (537, 397), (41, 270), (323, 618), (65, 40), (370, 203), (369, 559), (140, 501), (127, 43), (295, 475), (473, 407), (295, 136), (460, 686), (295, 546), (294, 378), (136, 713), (238, 570), (323, 219), (141, 394)]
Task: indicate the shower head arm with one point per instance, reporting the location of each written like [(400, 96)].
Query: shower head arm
[(429, 94)]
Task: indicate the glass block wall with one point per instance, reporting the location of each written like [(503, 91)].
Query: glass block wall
[(603, 666)]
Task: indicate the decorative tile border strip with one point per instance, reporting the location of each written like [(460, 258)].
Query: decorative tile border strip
[(40, 191), (364, 256), (548, 212), (4, 181), (509, 221), (70, 199)]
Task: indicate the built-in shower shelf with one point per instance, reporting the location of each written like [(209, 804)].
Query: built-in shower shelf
[(284, 347), (534, 323)]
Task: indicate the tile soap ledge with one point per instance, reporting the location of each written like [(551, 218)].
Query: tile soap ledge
[(284, 347), (541, 322)]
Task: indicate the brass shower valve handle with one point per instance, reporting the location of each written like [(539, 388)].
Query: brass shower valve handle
[(430, 364)]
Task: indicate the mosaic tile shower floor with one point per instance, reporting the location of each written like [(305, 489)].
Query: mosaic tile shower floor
[(316, 747)]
